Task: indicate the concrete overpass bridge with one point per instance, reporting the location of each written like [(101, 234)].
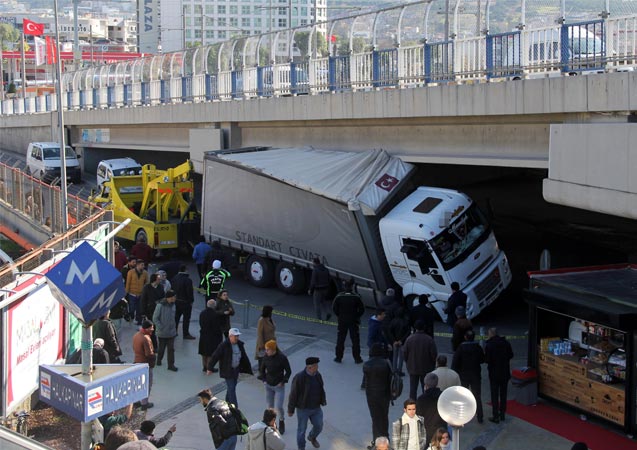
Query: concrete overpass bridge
[(560, 97)]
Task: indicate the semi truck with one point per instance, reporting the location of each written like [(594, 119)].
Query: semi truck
[(360, 214), (160, 204)]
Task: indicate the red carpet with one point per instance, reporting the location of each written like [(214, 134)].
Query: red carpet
[(570, 426)]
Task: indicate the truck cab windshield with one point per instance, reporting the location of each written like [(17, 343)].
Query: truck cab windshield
[(461, 237)]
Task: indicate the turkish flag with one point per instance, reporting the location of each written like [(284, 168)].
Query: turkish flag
[(51, 50), (387, 182), (32, 28)]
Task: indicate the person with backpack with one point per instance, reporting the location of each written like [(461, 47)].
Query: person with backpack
[(377, 372), (264, 435), (225, 421)]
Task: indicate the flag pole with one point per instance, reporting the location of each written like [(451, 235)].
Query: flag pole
[(1, 74), (24, 74), (58, 63)]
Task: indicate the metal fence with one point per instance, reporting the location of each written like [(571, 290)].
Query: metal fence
[(41, 204), (409, 45)]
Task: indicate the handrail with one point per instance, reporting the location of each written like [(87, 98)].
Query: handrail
[(594, 46)]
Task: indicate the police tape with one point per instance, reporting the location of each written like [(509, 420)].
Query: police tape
[(326, 322)]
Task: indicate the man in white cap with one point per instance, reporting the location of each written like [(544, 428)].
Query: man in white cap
[(233, 360), (214, 280)]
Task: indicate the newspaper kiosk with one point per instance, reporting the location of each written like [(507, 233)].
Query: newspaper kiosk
[(582, 339)]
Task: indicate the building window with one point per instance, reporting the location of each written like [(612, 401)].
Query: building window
[(197, 34), (234, 22), (221, 9), (188, 34), (198, 9), (245, 22), (210, 34), (222, 34), (303, 22), (234, 9), (258, 22), (221, 21), (282, 11), (210, 9), (188, 21), (186, 9), (210, 21), (283, 23), (198, 21), (303, 10), (245, 10)]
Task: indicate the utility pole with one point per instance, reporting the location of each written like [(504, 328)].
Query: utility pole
[(76, 38)]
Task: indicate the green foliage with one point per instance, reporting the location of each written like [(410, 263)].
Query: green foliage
[(358, 46), (301, 40), (8, 34), (11, 89)]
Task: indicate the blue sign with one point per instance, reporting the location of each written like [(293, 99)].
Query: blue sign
[(84, 401), (86, 283)]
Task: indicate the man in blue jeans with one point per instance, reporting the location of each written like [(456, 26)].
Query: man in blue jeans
[(275, 372), (233, 360), (307, 395)]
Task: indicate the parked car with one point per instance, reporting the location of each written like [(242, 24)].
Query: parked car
[(117, 167), (44, 162)]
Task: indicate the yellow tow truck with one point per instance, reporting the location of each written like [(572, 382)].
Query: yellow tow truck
[(160, 204)]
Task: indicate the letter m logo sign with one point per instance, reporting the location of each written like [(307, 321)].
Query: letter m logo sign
[(75, 271)]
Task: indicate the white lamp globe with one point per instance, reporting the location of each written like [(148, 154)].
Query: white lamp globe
[(457, 405)]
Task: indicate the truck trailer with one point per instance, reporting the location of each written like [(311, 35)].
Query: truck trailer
[(358, 213)]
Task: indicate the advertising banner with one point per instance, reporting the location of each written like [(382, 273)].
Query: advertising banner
[(35, 335)]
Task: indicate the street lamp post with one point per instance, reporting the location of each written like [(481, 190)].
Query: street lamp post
[(456, 406)]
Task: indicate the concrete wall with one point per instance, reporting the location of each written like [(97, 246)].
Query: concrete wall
[(593, 167)]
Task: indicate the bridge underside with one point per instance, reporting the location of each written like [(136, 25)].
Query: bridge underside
[(576, 127)]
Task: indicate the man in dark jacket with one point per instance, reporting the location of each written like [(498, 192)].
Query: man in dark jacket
[(457, 298), (498, 354), (145, 433), (348, 308), (427, 405), (307, 395), (423, 312), (274, 371), (466, 361), (233, 360), (151, 294), (105, 329), (224, 310), (461, 326), (420, 354), (214, 281), (222, 424), (377, 374), (319, 287), (182, 285)]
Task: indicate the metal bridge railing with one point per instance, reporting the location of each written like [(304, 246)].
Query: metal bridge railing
[(607, 44)]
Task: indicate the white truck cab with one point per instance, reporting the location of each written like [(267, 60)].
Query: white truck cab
[(436, 236)]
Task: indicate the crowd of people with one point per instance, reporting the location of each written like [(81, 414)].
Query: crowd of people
[(398, 333)]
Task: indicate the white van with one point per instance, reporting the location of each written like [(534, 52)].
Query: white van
[(43, 162), (117, 167)]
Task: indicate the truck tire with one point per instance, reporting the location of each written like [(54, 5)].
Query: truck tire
[(290, 278), (260, 271)]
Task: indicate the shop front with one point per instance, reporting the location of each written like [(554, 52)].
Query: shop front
[(583, 339)]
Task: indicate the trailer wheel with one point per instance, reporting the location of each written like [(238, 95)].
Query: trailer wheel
[(290, 278), (260, 271)]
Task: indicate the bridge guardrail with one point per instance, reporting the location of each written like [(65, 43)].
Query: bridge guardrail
[(606, 44)]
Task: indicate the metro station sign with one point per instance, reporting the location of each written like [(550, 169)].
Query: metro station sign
[(87, 397), (86, 283)]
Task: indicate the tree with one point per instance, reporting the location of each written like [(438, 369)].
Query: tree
[(8, 34), (301, 41)]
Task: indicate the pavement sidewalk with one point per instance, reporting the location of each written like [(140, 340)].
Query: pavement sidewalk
[(347, 420)]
